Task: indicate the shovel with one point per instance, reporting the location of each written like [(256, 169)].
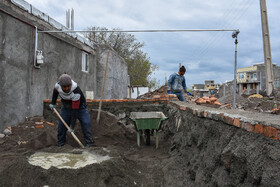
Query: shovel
[(65, 124)]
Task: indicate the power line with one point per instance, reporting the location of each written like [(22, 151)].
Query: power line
[(165, 30)]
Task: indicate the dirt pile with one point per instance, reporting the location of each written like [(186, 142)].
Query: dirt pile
[(255, 103), (128, 166), (160, 91)]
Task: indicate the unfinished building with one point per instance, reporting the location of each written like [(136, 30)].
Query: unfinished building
[(253, 78), (26, 83)]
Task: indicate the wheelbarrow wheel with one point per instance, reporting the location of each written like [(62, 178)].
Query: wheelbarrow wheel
[(147, 136)]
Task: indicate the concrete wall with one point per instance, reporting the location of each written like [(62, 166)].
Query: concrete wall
[(117, 79), (226, 89), (24, 87)]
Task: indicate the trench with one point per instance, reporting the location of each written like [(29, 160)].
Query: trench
[(193, 151)]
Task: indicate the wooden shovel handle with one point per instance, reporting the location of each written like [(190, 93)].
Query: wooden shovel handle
[(65, 124)]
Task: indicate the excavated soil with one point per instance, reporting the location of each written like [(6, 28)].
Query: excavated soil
[(128, 165)]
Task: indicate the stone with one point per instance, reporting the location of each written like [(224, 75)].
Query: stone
[(7, 132), (2, 135)]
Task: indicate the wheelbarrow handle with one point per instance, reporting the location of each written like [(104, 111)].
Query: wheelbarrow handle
[(68, 128)]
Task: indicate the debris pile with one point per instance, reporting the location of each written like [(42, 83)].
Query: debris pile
[(211, 102), (160, 91)]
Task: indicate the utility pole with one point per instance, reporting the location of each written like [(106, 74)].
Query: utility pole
[(266, 49)]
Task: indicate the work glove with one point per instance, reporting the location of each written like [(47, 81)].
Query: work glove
[(70, 130), (189, 93), (52, 106), (168, 91)]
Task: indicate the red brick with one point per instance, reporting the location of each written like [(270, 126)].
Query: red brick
[(182, 108), (236, 122), (156, 96), (229, 120), (247, 126), (203, 114), (259, 128), (271, 132)]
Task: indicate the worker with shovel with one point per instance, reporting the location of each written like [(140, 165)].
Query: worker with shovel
[(74, 106), (177, 83)]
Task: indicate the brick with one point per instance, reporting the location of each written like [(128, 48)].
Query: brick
[(259, 128), (50, 124), (182, 108), (236, 122), (47, 101), (228, 120), (247, 126), (271, 132), (156, 96), (203, 114), (173, 96)]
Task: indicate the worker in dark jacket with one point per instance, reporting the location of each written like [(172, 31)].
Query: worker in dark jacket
[(74, 106), (177, 83)]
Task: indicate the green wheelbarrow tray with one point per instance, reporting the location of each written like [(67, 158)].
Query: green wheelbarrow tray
[(147, 121)]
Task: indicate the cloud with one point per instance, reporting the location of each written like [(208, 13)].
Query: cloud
[(207, 55)]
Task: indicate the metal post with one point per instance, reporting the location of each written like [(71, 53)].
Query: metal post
[(235, 66), (72, 19), (35, 48)]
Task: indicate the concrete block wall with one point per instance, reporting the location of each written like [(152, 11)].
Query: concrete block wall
[(117, 79), (25, 87)]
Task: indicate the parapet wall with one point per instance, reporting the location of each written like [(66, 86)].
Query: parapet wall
[(210, 147)]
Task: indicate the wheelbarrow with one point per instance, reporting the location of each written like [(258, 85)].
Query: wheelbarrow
[(147, 122)]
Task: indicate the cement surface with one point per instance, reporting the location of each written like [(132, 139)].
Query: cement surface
[(264, 118)]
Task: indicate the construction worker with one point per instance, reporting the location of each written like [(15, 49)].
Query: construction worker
[(177, 83), (74, 106)]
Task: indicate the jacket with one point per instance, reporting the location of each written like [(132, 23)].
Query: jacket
[(176, 83)]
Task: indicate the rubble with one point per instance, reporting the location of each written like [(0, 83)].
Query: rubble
[(7, 132)]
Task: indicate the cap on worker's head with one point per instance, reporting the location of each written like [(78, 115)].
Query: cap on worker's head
[(182, 69), (65, 80)]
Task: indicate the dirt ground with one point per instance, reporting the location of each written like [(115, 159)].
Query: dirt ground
[(128, 166)]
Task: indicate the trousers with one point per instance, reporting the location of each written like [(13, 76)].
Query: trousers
[(83, 117)]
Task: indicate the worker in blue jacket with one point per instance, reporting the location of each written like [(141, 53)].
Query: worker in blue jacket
[(74, 107), (177, 83)]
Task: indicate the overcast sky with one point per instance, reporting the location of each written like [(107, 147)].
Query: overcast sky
[(206, 55)]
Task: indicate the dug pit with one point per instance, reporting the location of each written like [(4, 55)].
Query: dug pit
[(195, 149), (65, 160)]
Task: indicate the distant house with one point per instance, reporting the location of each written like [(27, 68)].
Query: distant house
[(209, 87), (209, 84), (253, 77), (135, 91)]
